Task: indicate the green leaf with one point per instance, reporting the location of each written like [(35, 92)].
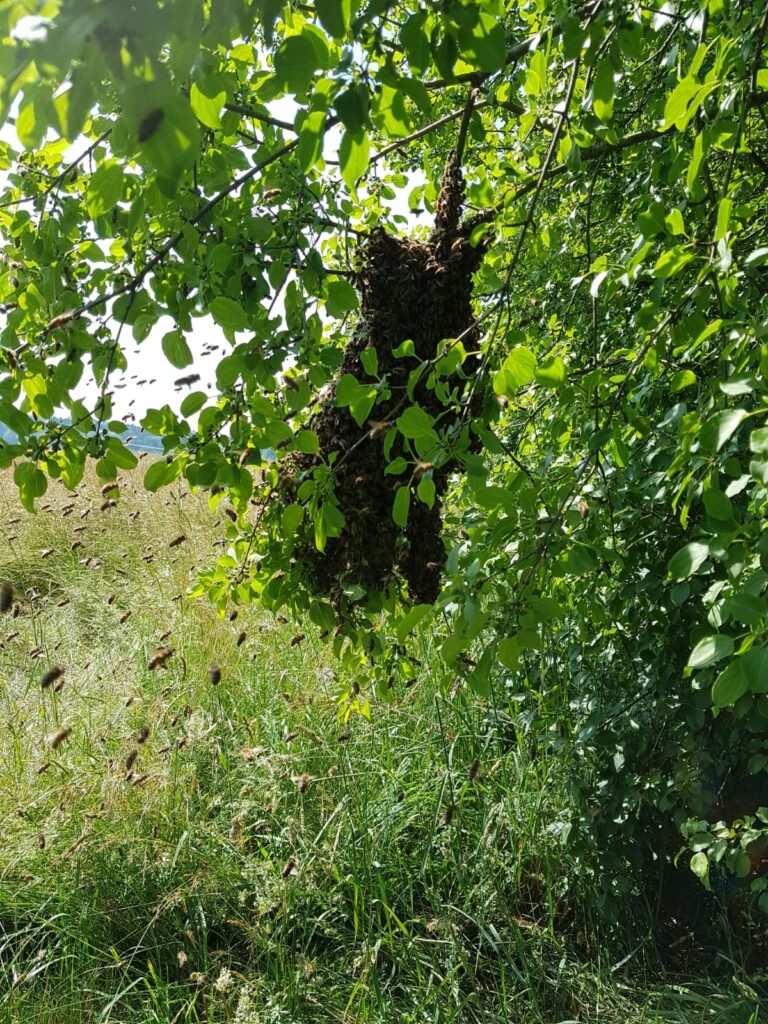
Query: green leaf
[(161, 473), (720, 428), (509, 652), (309, 147), (426, 491), (603, 90), (193, 402), (334, 16), (681, 380), (415, 423), (672, 261), (517, 370), (401, 506), (347, 390), (341, 297), (291, 519), (415, 41), (207, 97), (709, 650), (370, 360), (700, 867), (484, 44), (552, 373), (729, 685), (166, 131), (755, 665), (688, 560), (31, 482), (747, 608), (104, 189), (307, 441), (396, 466), (718, 504), (411, 620), (723, 218), (354, 153), (352, 107), (176, 350), (758, 440), (228, 313), (295, 63)]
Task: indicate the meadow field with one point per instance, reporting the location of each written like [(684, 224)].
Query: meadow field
[(198, 824)]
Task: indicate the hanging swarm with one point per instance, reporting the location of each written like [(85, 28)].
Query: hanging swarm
[(414, 290)]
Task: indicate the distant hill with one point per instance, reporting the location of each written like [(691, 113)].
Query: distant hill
[(137, 439)]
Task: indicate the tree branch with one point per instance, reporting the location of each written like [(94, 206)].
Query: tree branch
[(446, 119), (246, 111)]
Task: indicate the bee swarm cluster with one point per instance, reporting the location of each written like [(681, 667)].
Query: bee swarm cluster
[(409, 290)]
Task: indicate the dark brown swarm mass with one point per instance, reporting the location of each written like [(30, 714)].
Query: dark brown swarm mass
[(414, 290)]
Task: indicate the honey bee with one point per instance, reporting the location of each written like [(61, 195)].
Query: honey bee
[(161, 655), (6, 596), (177, 540), (50, 677), (142, 735), (289, 867), (214, 675), (57, 737)]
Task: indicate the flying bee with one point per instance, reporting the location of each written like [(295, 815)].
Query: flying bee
[(214, 674), (50, 677), (142, 735), (296, 640), (289, 867), (241, 639), (108, 488), (124, 617), (57, 737), (130, 761), (111, 598), (161, 655), (47, 552), (474, 770), (177, 540), (165, 635), (6, 596)]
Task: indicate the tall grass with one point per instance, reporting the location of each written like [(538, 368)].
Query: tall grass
[(244, 852)]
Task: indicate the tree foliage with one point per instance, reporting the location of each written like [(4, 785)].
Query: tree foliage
[(596, 438)]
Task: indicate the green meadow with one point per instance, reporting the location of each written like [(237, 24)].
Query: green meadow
[(198, 825)]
